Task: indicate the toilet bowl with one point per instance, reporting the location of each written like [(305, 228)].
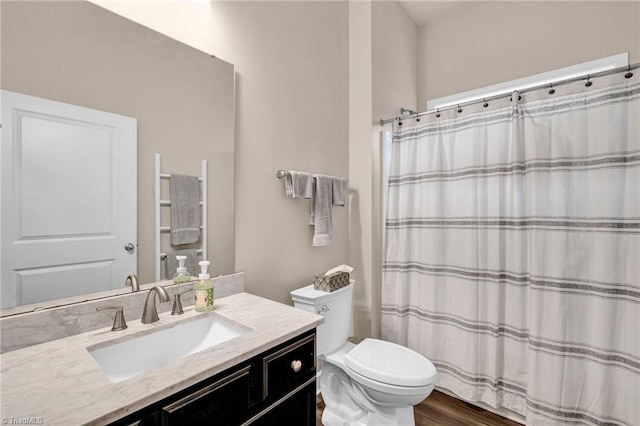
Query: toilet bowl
[(371, 383)]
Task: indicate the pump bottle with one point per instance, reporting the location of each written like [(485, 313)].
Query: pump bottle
[(203, 289), (181, 275)]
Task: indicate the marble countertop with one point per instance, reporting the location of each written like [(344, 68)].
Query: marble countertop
[(59, 382)]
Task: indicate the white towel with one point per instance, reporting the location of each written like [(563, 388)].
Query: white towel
[(322, 222)]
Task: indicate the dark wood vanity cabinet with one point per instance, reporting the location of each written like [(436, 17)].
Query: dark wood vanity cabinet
[(226, 401), (276, 387), (298, 409)]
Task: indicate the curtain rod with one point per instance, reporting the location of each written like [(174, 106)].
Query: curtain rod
[(492, 98)]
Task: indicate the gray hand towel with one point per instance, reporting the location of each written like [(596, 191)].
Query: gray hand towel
[(191, 263), (296, 184), (311, 189), (185, 209), (300, 185), (322, 223), (340, 191)]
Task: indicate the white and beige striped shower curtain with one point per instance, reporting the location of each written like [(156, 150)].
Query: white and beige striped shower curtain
[(513, 251)]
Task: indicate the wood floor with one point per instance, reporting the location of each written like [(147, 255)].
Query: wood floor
[(442, 410)]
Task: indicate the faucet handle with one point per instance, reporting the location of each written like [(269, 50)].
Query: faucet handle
[(177, 303), (119, 322)]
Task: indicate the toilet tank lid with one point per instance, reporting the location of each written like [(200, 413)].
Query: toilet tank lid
[(390, 363), (310, 295)]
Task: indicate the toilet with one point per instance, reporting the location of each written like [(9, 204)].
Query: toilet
[(371, 383)]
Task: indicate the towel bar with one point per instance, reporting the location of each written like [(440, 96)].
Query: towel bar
[(163, 256), (282, 173), (168, 175)]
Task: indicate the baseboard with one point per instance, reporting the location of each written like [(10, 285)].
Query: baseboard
[(502, 413)]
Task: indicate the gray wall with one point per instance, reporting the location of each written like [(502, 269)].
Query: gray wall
[(395, 59), (394, 42), (292, 66), (485, 43), (79, 53)]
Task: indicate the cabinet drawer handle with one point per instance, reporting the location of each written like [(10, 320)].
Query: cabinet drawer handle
[(296, 365)]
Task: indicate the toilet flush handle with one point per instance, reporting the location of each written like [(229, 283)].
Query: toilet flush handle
[(324, 309)]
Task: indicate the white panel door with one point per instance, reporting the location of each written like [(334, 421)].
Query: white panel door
[(68, 193)]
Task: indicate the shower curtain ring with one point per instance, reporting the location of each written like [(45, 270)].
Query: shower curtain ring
[(459, 109), (589, 82), (551, 89), (629, 74), (437, 113)]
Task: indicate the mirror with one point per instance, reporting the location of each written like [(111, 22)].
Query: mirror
[(183, 100)]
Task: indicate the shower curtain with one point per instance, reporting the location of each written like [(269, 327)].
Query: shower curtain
[(513, 251)]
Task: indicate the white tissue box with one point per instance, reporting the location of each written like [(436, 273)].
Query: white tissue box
[(332, 282)]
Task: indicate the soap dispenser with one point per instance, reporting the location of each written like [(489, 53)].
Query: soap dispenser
[(181, 275), (203, 289)]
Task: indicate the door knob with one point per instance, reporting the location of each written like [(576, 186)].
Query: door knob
[(129, 247)]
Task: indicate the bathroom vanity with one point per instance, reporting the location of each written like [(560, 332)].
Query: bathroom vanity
[(264, 376), (275, 387)]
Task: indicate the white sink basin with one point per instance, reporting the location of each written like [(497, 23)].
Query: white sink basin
[(130, 356)]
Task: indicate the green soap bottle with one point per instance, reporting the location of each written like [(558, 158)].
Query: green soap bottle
[(203, 289)]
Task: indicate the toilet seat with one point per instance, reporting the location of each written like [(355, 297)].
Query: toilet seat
[(386, 388), (368, 363), (391, 364)]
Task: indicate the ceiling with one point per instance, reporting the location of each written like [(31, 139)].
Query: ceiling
[(425, 11)]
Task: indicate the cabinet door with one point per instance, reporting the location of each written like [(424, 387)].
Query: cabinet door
[(298, 409), (288, 368), (224, 402)]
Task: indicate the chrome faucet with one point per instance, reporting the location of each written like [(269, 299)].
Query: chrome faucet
[(132, 281), (150, 312)]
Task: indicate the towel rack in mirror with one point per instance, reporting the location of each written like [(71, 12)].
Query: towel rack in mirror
[(159, 229)]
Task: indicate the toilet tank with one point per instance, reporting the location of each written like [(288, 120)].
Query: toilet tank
[(336, 308)]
